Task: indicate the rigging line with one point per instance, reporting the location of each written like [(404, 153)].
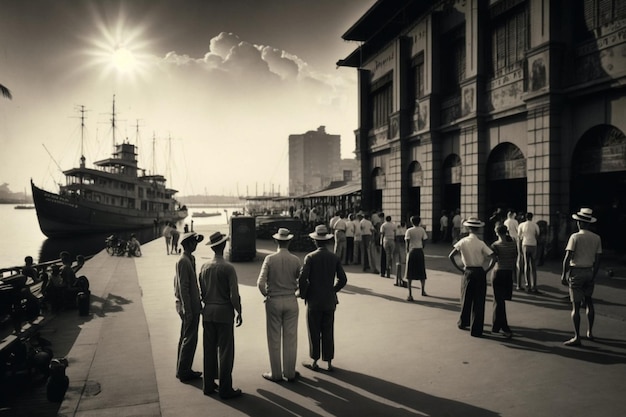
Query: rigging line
[(51, 157)]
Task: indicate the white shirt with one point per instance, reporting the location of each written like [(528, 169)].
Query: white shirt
[(512, 225), (416, 236), (474, 252), (366, 227), (528, 232)]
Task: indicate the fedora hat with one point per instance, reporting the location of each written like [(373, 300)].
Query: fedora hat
[(198, 238), (321, 233), (584, 215), (473, 222), (283, 234), (217, 238)]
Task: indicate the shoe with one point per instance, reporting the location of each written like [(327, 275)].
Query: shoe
[(233, 394), (409, 298), (269, 377), (190, 376), (311, 365), (508, 335), (590, 336), (376, 271), (295, 378), (424, 294), (572, 342), (212, 390), (462, 327), (330, 368)]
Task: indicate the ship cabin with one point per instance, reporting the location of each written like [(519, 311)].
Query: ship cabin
[(115, 182)]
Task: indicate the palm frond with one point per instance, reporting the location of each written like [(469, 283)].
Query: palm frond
[(5, 92)]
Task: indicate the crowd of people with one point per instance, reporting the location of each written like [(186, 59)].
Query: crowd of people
[(212, 295)]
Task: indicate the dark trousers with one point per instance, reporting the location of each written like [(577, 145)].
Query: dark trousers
[(321, 324), (502, 290), (219, 356), (187, 344), (473, 293), (349, 249), (365, 250)]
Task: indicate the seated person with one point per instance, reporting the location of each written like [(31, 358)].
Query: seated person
[(29, 271)]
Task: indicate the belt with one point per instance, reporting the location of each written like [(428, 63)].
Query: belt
[(281, 295)]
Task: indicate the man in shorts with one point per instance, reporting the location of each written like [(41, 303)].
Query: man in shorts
[(580, 267)]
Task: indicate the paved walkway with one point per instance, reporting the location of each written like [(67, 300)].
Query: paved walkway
[(393, 358)]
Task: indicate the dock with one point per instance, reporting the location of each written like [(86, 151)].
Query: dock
[(393, 357)]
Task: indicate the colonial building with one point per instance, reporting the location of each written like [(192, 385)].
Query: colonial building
[(480, 104), (315, 162)]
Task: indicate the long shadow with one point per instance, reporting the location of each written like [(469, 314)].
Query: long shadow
[(364, 395), (597, 351)]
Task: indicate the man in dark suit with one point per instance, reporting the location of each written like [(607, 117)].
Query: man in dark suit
[(318, 287)]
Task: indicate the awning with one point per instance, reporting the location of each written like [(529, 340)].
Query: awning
[(336, 192)]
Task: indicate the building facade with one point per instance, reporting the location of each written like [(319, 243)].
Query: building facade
[(314, 161), (484, 104)]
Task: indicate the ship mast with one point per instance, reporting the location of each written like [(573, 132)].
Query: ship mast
[(82, 135), (113, 123)]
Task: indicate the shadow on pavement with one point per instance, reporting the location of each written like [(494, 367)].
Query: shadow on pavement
[(357, 394), (598, 351)]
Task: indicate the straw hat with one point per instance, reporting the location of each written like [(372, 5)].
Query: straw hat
[(321, 233), (283, 234), (473, 222), (217, 238), (584, 215)]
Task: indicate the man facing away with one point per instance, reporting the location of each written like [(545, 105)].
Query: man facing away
[(318, 287), (388, 242), (474, 252), (512, 225), (278, 282), (187, 306), (529, 234), (580, 267), (222, 308)]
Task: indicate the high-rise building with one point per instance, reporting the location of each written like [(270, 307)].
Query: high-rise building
[(314, 161), (484, 104)]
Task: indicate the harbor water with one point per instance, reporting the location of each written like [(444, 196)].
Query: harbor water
[(23, 237)]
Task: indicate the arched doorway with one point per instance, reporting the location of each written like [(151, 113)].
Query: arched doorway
[(451, 183), (506, 176), (416, 178), (378, 184), (598, 180)]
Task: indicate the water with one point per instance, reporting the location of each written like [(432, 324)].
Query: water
[(23, 236)]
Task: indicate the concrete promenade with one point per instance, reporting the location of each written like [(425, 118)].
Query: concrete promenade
[(393, 357)]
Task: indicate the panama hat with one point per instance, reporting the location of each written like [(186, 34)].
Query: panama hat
[(217, 238), (283, 234), (584, 215), (198, 238), (321, 233), (473, 222)]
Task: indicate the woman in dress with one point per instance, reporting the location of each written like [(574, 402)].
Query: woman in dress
[(415, 265)]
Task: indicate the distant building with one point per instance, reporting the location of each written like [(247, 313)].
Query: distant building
[(315, 161), (479, 104)]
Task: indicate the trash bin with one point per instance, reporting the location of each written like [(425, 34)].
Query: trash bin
[(242, 238)]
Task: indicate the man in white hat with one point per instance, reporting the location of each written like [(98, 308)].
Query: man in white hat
[(222, 308), (474, 253), (318, 288), (580, 267), (278, 282), (188, 307)]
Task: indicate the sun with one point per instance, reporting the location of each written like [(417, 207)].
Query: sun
[(118, 48), (123, 59)]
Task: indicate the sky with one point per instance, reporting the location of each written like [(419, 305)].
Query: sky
[(209, 90)]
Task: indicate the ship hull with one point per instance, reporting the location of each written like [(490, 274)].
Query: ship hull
[(61, 216)]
